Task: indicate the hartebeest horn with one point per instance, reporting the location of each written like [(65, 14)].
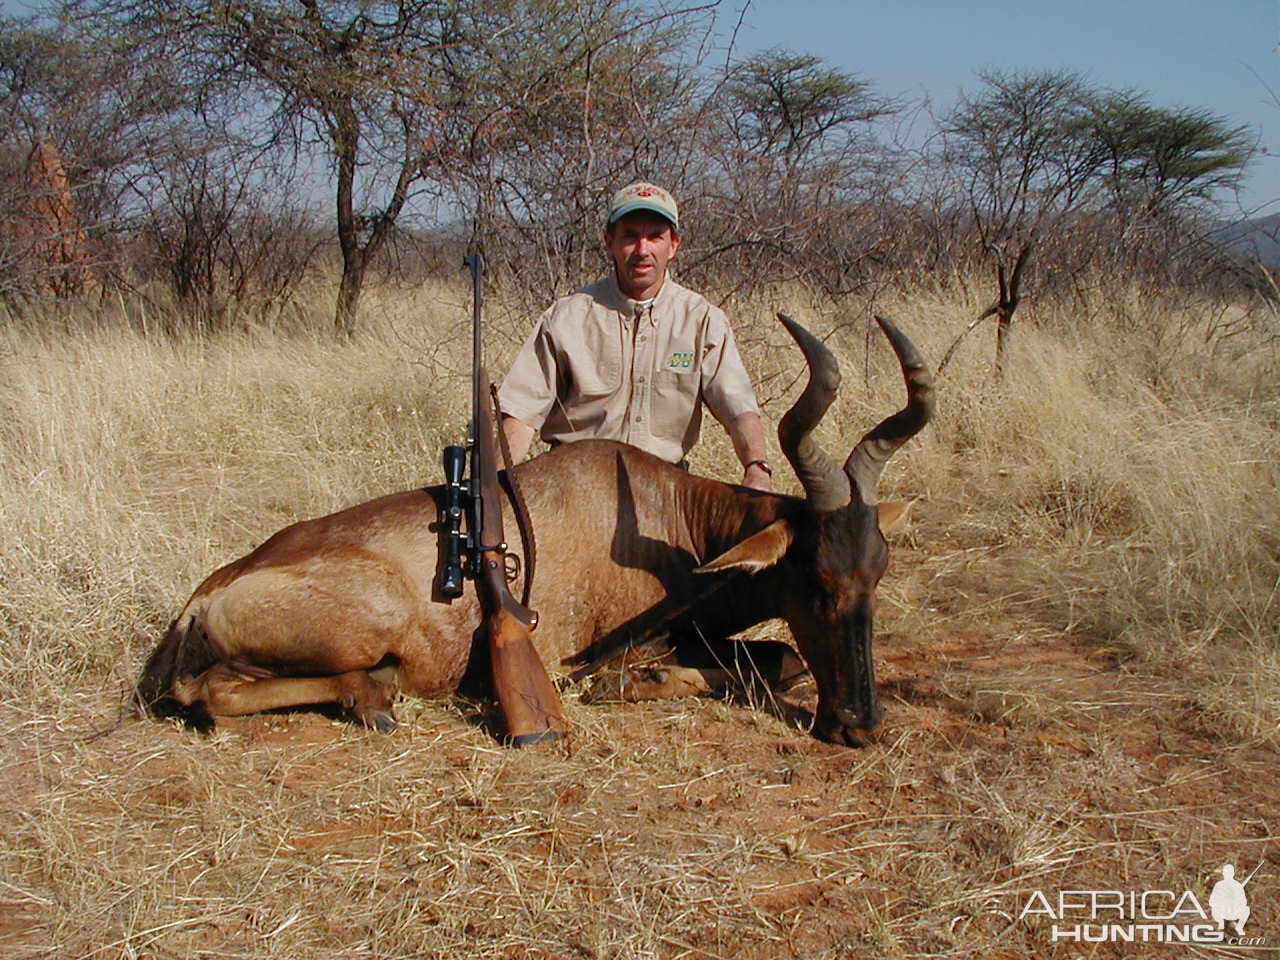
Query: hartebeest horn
[(874, 450), (824, 484)]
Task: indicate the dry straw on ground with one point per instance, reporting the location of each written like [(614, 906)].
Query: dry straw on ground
[(1079, 656)]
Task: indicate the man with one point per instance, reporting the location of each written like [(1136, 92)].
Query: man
[(634, 356), (1228, 901)]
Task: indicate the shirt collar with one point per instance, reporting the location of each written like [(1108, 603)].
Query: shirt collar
[(633, 308)]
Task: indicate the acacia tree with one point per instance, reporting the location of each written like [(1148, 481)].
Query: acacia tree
[(564, 110), (352, 79), (1034, 152), (791, 153), (477, 104), (1024, 160), (1161, 164)]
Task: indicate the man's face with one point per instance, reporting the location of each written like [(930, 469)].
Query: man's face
[(641, 245)]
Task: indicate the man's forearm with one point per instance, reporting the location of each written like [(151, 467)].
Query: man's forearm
[(519, 436), (747, 433)]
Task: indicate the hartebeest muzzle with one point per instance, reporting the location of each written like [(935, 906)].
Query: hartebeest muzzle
[(849, 703)]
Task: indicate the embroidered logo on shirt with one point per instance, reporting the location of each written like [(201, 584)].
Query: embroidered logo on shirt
[(680, 360)]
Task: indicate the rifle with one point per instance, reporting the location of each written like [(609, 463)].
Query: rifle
[(525, 692)]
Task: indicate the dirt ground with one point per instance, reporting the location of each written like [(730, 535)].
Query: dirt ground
[(1012, 760)]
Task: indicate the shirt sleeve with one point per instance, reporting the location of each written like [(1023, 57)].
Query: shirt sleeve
[(529, 388), (726, 386)]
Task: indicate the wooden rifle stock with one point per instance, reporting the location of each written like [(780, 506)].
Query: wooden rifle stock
[(526, 694)]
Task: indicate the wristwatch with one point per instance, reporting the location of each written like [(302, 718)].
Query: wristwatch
[(762, 464)]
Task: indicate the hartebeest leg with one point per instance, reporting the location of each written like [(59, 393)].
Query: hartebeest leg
[(667, 683), (233, 690), (733, 665)]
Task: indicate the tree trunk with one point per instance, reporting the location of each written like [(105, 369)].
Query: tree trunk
[(357, 256), (345, 126), (344, 317), (1004, 325), (1002, 309), (1010, 293)]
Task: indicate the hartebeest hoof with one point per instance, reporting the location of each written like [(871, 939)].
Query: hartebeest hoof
[(533, 739), (839, 735), (379, 720), (368, 700), (845, 728)]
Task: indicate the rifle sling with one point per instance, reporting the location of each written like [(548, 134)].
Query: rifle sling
[(523, 522)]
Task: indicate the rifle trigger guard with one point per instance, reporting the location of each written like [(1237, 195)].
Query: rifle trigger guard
[(511, 567)]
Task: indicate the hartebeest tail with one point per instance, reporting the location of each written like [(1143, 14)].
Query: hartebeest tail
[(184, 652)]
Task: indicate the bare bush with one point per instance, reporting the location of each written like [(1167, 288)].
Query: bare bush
[(232, 242)]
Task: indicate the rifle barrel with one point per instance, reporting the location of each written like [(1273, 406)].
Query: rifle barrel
[(1255, 870), (476, 264), (526, 694)]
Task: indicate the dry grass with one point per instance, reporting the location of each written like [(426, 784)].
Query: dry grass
[(1080, 661)]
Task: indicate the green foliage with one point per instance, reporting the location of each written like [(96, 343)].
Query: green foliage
[(792, 155), (1022, 149), (1034, 146), (781, 102), (1156, 159)]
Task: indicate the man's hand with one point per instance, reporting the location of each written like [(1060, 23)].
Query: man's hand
[(757, 477)]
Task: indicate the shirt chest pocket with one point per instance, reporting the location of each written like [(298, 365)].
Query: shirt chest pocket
[(676, 376), (594, 368), (674, 404)]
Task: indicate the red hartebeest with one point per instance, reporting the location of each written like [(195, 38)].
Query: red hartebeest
[(340, 608)]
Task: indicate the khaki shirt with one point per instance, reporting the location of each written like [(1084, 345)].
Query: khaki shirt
[(601, 365)]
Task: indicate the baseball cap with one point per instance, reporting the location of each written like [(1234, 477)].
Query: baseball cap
[(644, 196)]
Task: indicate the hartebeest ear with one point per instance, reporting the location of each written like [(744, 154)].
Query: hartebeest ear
[(892, 516), (758, 551)]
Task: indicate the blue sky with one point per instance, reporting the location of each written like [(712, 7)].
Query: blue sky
[(1181, 52), (1221, 55)]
